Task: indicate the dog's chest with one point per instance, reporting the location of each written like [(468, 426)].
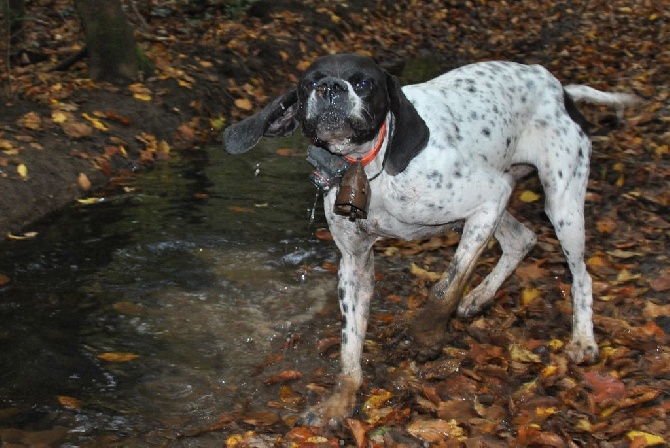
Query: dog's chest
[(401, 208)]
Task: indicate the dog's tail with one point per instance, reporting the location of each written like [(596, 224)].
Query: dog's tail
[(590, 95)]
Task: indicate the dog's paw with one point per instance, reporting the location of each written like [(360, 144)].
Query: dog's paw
[(581, 352), (428, 335), (335, 409)]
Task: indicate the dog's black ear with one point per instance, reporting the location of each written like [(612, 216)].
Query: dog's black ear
[(410, 133), (277, 119)]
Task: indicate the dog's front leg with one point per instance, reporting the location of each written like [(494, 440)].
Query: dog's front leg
[(355, 288)]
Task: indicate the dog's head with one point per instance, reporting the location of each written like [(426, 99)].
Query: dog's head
[(341, 102)]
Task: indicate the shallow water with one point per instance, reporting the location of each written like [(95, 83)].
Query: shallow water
[(201, 269)]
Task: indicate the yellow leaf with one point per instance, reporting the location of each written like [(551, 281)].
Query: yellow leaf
[(555, 344), (545, 413), (625, 276), (528, 295), (25, 236), (95, 122), (217, 123), (58, 117), (521, 354), (423, 274), (377, 400), (244, 104), (118, 356), (69, 402), (31, 121), (649, 439), (163, 147), (23, 171), (529, 196), (235, 440), (88, 201), (583, 425), (548, 371), (142, 96)]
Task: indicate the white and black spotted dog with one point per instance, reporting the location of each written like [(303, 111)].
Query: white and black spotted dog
[(438, 153)]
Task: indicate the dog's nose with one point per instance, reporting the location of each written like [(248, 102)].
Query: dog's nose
[(330, 88)]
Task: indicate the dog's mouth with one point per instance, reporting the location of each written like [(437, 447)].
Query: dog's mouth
[(333, 127)]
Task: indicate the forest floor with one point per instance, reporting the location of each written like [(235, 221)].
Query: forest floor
[(504, 379)]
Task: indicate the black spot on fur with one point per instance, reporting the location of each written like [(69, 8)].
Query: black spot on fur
[(574, 113)]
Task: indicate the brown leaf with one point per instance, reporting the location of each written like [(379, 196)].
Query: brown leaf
[(77, 129), (527, 272), (282, 377), (436, 430), (118, 356), (244, 104), (605, 386), (359, 431), (661, 284)]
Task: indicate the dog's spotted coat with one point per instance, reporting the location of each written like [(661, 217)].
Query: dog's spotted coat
[(456, 146)]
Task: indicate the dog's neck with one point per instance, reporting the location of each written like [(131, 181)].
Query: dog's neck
[(377, 144)]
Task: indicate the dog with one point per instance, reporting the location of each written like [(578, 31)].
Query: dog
[(446, 151)]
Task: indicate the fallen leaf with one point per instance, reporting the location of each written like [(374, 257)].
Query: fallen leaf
[(4, 279), (84, 182), (435, 431), (70, 402), (76, 129), (528, 295), (23, 236), (359, 431), (118, 356), (605, 386), (522, 354), (282, 377), (323, 234), (647, 439), (31, 121), (23, 171), (423, 274), (244, 104), (529, 196), (377, 400), (661, 284)]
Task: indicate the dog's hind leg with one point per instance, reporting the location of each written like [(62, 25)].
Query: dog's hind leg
[(515, 240), (565, 192), (428, 326)]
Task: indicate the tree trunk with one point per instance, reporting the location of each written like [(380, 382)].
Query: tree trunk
[(14, 16), (112, 51)]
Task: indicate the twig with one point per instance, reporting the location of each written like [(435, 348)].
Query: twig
[(144, 23)]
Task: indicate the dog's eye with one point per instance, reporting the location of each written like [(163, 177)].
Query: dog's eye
[(309, 85), (363, 86)]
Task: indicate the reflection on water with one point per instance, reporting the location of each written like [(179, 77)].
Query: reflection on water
[(198, 272)]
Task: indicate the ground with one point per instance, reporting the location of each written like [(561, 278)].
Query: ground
[(504, 380)]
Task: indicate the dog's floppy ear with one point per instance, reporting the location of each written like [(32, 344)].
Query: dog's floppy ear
[(410, 133), (277, 119)]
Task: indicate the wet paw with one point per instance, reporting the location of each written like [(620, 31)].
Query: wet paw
[(468, 309), (428, 334), (335, 409), (582, 352)]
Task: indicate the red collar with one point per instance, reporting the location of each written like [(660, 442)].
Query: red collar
[(374, 151)]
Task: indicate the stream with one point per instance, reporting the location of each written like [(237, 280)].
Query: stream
[(145, 312)]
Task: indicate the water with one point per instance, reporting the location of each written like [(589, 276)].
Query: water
[(200, 271)]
